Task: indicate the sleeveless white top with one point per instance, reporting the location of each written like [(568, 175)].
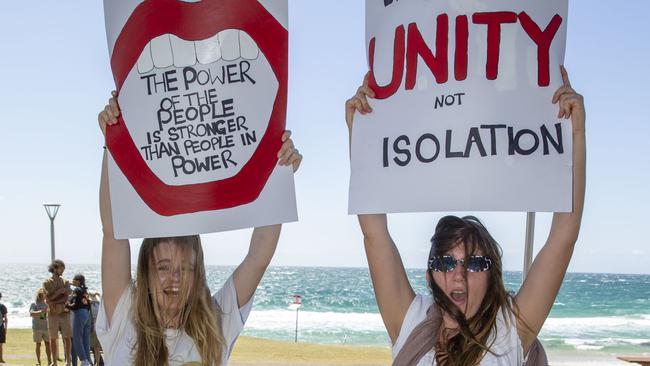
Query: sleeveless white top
[(506, 349)]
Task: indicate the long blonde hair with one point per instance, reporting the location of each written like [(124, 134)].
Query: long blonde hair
[(199, 316)]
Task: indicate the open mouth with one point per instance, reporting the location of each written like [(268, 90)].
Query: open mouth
[(195, 178), (172, 292), (459, 297), (206, 105)]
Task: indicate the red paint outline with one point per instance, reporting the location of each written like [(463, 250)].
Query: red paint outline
[(203, 19)]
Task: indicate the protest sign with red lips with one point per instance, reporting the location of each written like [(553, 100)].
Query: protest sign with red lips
[(202, 89)]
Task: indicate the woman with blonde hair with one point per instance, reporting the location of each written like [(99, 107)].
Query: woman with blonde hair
[(471, 319), (38, 312), (168, 316)]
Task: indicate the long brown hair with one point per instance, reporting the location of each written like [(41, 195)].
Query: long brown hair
[(466, 345), (199, 316)]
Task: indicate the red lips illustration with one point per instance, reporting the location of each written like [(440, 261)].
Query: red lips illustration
[(194, 21)]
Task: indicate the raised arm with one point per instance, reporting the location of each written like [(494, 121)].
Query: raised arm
[(393, 291), (539, 290), (116, 254), (264, 240)]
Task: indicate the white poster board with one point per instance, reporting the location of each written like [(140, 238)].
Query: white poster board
[(463, 118), (202, 90)]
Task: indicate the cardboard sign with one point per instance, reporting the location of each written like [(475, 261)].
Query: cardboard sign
[(463, 118), (202, 90)]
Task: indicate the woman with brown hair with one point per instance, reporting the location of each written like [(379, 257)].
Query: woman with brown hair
[(168, 316), (471, 319)]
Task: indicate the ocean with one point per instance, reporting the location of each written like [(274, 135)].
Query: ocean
[(594, 312)]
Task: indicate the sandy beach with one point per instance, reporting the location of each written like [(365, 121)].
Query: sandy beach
[(19, 350)]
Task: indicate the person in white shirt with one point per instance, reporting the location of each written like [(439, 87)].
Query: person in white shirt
[(478, 322), (167, 316)]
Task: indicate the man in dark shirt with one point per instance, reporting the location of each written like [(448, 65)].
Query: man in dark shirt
[(3, 327)]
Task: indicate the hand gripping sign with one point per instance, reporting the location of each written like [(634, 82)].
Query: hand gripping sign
[(463, 118), (202, 90)]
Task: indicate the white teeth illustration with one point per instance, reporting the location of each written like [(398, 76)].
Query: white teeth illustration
[(229, 41), (168, 49), (183, 51), (248, 46), (208, 50), (145, 62), (161, 51)]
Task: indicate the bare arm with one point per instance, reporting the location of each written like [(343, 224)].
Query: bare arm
[(539, 290), (249, 273), (116, 254), (36, 313), (264, 240), (393, 291), (59, 296)]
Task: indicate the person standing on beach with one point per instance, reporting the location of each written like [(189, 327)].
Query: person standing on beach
[(79, 303), (73, 351), (38, 312), (95, 347), (57, 290), (3, 327), (167, 316), (471, 319)]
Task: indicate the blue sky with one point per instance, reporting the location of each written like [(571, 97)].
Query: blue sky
[(56, 78)]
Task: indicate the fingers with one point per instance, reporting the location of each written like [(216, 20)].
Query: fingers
[(565, 76), (110, 113), (286, 150), (102, 119), (288, 154), (565, 96), (354, 104), (106, 117), (568, 103), (286, 135), (565, 108), (366, 78), (115, 109), (365, 91), (362, 94), (359, 102), (561, 90), (295, 160)]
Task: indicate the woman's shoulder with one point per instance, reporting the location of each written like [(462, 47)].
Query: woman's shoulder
[(415, 314), (420, 304)]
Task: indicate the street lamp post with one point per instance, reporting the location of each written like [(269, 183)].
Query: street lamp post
[(52, 209)]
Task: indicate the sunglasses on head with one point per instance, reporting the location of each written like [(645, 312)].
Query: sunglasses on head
[(447, 263)]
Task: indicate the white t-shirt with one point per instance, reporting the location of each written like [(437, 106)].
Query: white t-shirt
[(507, 345), (118, 338)]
